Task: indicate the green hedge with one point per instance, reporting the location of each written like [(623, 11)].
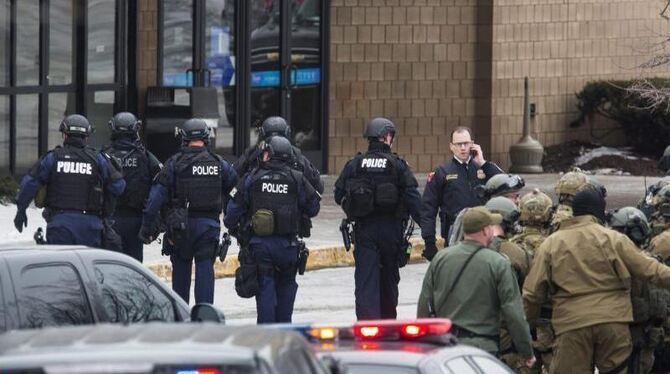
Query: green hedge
[(8, 188), (647, 130)]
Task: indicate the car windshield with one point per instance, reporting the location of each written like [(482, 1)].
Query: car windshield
[(136, 368), (380, 369)]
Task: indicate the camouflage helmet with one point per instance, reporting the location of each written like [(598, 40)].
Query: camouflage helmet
[(656, 187), (569, 184), (536, 208), (661, 197), (632, 222), (504, 207), (593, 183), (501, 184)]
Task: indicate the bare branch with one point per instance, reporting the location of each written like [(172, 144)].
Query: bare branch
[(667, 5), (658, 98)]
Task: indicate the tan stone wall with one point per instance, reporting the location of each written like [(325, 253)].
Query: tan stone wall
[(423, 63), (147, 47), (560, 45)]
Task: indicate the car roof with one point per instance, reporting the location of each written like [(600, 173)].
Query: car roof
[(156, 343), (17, 249)]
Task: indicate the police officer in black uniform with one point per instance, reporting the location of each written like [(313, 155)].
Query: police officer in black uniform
[(193, 185), (82, 186), (140, 167), (273, 197), (378, 191), (451, 187)]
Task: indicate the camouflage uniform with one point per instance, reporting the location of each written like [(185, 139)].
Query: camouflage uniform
[(660, 248), (566, 188), (536, 211)]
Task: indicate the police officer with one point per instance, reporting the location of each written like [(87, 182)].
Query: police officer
[(81, 183), (273, 198), (649, 308), (377, 190), (277, 126), (140, 167), (587, 269), (193, 186), (452, 187)]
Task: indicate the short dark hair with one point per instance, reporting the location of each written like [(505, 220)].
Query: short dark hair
[(460, 129)]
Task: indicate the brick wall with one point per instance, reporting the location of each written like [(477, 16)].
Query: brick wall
[(147, 47), (560, 45), (424, 63)]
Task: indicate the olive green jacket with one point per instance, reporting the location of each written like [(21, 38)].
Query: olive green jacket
[(486, 290)]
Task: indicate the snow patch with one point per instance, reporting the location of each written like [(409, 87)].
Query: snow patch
[(624, 152)]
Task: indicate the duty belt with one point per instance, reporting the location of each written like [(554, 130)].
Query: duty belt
[(53, 212), (461, 332)]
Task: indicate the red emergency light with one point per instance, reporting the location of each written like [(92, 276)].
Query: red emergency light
[(401, 330)]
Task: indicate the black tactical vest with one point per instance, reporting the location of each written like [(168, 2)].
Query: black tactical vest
[(277, 190), (374, 188), (136, 173), (199, 179), (75, 182)]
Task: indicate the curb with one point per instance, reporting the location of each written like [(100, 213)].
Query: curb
[(321, 257)]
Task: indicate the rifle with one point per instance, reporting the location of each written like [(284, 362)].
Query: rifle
[(39, 236), (347, 233), (406, 246)]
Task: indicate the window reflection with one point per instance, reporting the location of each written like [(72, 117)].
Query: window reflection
[(4, 134), (27, 47), (51, 296), (101, 42), (60, 42), (4, 42), (177, 42), (57, 111), (129, 296), (27, 120)]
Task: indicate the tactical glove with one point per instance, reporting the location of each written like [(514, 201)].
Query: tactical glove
[(145, 235), (429, 250), (20, 220)]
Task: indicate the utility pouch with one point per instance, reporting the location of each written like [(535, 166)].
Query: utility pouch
[(41, 197), (386, 196), (286, 222), (360, 200), (246, 276), (262, 222), (176, 221), (640, 309), (305, 230)]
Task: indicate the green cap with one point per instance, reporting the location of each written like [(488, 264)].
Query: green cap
[(475, 219)]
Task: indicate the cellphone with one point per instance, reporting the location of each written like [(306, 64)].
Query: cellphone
[(473, 152)]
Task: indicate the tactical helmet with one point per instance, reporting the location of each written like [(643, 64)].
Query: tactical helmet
[(536, 208), (632, 222), (506, 208), (661, 197), (656, 187), (594, 184), (569, 184), (274, 126), (279, 148), (501, 184), (124, 123), (379, 127), (664, 161), (194, 129), (76, 125)]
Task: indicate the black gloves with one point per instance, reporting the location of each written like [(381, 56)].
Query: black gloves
[(429, 250), (20, 220), (145, 235)]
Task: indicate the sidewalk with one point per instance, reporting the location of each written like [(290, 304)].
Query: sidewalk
[(327, 250)]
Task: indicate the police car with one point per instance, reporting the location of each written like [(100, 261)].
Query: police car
[(157, 348), (399, 347)]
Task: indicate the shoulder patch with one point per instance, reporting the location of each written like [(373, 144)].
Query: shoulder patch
[(481, 174), (233, 192), (430, 177)]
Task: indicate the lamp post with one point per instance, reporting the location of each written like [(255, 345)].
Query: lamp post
[(526, 155)]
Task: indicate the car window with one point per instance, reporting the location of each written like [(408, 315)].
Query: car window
[(459, 366), (129, 296), (51, 295), (380, 369), (489, 365)]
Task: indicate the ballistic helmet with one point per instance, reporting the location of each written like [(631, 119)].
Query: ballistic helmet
[(501, 184), (536, 208), (632, 222), (124, 123), (661, 197), (194, 129), (76, 125), (279, 148), (274, 126), (507, 209), (569, 184), (378, 128)]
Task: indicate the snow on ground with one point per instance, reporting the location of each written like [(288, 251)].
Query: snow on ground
[(624, 152)]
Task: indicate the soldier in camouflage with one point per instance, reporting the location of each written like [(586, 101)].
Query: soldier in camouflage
[(660, 248), (566, 188)]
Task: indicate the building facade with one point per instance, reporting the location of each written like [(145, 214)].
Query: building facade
[(327, 66)]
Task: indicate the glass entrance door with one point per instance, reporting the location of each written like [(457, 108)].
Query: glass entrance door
[(286, 69)]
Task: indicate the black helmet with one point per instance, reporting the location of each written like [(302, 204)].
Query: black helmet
[(124, 123), (378, 128), (194, 129), (274, 126), (279, 148), (76, 125), (501, 184)]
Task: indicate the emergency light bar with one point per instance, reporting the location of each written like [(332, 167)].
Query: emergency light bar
[(401, 330)]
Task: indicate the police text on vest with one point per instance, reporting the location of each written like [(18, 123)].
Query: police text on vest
[(71, 167), (274, 188), (374, 163), (206, 170)]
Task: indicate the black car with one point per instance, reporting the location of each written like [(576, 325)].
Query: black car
[(186, 348), (65, 285), (422, 346)]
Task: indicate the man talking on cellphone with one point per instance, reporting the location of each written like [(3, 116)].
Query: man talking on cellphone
[(452, 186)]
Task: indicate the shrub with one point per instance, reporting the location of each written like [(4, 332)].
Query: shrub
[(647, 127), (8, 188)]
